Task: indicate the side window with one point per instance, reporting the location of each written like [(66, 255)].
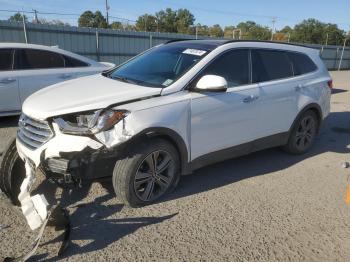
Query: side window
[(39, 59), (302, 64), (72, 62), (6, 59), (232, 65), (270, 65)]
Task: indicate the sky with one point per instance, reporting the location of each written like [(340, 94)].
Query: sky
[(209, 12)]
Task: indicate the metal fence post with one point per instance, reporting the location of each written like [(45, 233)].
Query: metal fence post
[(150, 41), (24, 29), (342, 54), (97, 46)]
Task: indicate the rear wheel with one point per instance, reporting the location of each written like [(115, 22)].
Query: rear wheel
[(148, 172), (303, 133), (12, 172)]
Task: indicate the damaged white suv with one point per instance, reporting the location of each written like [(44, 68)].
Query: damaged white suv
[(173, 109)]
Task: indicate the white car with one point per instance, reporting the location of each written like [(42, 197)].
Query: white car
[(171, 110), (26, 68)]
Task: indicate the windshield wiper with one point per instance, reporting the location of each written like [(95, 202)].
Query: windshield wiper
[(124, 79)]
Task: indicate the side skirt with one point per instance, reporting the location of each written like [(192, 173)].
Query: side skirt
[(240, 150)]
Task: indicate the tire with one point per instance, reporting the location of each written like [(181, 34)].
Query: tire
[(303, 133), (133, 175), (12, 172)]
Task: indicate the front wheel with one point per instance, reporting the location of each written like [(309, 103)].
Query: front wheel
[(303, 133), (12, 172), (149, 171)]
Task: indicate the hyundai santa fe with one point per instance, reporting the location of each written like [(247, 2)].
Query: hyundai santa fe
[(173, 109)]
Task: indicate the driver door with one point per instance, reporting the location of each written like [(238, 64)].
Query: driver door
[(225, 120)]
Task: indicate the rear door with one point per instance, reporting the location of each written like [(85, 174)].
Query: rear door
[(38, 69), (272, 70), (9, 97)]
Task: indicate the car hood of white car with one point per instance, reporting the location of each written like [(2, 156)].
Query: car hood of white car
[(82, 94)]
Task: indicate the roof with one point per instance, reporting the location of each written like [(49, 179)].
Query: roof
[(218, 42), (49, 48)]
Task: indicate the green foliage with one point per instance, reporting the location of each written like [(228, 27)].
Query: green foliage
[(202, 30), (228, 31), (90, 19), (167, 20), (184, 21), (312, 31), (252, 30), (18, 17), (216, 31), (116, 25), (146, 22)]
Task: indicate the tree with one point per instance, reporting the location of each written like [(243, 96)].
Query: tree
[(116, 25), (90, 19), (315, 32), (336, 36), (309, 31), (146, 22), (184, 21), (251, 30), (202, 30), (228, 31), (166, 20), (18, 17), (52, 22), (216, 31)]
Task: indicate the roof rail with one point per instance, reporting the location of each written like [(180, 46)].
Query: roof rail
[(178, 40), (266, 41)]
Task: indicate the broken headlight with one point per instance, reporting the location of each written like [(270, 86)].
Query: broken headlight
[(90, 123)]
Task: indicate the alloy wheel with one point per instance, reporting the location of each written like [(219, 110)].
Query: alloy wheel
[(305, 133), (154, 175)]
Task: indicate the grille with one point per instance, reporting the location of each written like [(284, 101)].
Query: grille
[(33, 133)]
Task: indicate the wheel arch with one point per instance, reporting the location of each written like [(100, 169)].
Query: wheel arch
[(171, 136), (313, 107)]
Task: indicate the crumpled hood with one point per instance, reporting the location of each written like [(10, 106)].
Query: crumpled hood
[(82, 94)]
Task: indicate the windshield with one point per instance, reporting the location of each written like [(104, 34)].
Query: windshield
[(159, 67)]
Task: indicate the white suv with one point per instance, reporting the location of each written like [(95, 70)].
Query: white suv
[(173, 109)]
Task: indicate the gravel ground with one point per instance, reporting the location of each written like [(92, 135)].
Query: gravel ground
[(267, 206)]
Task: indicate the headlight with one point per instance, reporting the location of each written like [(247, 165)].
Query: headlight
[(90, 123)]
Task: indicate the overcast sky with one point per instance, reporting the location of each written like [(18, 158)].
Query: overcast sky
[(223, 12)]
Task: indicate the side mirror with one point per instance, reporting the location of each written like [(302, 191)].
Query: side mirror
[(211, 83)]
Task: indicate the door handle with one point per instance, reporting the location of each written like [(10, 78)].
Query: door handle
[(7, 81), (66, 76), (250, 99)]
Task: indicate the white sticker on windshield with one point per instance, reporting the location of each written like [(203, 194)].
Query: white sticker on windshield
[(167, 82), (196, 52)]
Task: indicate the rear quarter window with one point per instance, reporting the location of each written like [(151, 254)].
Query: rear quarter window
[(270, 65), (302, 64), (72, 62), (39, 59), (6, 59)]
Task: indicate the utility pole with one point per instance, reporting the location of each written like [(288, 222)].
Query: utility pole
[(273, 27), (107, 8), (36, 20), (327, 35)]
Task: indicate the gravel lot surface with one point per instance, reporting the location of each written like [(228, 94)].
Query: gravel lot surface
[(267, 206)]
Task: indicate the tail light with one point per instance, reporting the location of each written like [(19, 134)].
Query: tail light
[(330, 84)]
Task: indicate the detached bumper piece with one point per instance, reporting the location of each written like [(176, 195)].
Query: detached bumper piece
[(34, 208)]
